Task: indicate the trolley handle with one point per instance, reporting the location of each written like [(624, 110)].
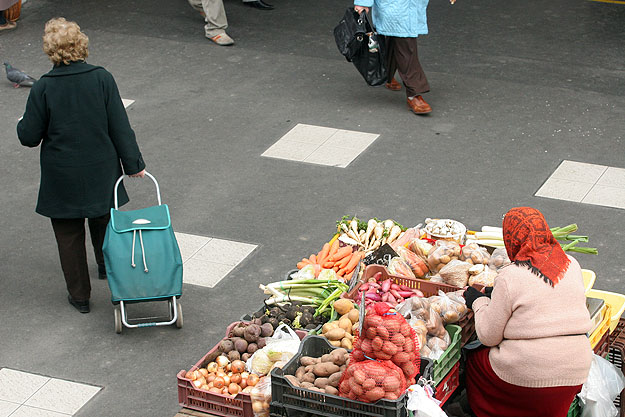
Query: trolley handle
[(158, 190)]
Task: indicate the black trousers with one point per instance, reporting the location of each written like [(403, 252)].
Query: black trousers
[(70, 239), (403, 57)]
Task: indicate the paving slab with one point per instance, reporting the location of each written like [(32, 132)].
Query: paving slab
[(517, 88)]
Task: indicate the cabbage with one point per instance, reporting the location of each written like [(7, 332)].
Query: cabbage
[(307, 272), (261, 364), (327, 274)]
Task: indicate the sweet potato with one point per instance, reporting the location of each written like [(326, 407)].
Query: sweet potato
[(338, 356), (307, 360), (359, 376), (300, 372), (307, 385), (369, 384), (357, 390), (325, 369), (308, 377), (329, 389), (321, 382), (374, 394), (335, 378), (327, 358)]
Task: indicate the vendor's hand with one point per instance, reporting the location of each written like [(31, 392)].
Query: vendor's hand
[(452, 1), (360, 9), (470, 295), (139, 174)]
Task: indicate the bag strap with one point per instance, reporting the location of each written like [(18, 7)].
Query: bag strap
[(158, 190)]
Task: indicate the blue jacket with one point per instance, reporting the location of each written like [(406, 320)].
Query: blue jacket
[(400, 18)]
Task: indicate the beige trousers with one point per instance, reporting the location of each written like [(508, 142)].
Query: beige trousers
[(216, 21)]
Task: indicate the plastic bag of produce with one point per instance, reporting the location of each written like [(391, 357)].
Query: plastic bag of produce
[(370, 381), (397, 266), (261, 397), (455, 273), (475, 254), (482, 275), (421, 248), (417, 265), (605, 381), (499, 259), (451, 307), (387, 336), (282, 346), (406, 237), (443, 252)]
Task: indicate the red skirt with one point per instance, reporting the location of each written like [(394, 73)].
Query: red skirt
[(489, 396)]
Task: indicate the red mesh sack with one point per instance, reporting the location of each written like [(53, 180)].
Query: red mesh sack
[(370, 381), (387, 336)]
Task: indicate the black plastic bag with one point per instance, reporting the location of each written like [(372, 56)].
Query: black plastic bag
[(350, 33)]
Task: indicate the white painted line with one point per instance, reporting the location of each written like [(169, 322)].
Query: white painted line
[(321, 145), (127, 102), (206, 260)]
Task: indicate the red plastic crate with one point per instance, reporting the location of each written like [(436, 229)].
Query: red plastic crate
[(428, 289), (448, 385), (209, 402)]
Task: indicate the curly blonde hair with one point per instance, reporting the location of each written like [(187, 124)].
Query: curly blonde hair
[(64, 42)]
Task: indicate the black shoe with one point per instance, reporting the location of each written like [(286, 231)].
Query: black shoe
[(82, 306), (259, 4), (101, 272)]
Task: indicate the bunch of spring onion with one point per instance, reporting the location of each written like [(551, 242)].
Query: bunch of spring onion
[(315, 292), (493, 236)]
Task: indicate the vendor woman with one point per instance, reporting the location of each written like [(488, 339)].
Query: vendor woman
[(534, 325)]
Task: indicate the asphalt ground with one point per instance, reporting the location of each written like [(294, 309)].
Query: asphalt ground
[(517, 87)]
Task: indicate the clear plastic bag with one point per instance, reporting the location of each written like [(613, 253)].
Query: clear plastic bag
[(605, 381), (482, 275), (417, 265), (282, 346), (450, 307), (397, 266), (421, 248), (261, 397), (475, 254), (499, 259), (456, 273), (443, 252)]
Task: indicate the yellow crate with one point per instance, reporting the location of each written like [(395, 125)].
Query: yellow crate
[(606, 314), (614, 300), (589, 279)]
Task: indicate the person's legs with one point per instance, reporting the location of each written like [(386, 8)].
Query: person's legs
[(216, 21), (97, 230), (70, 239), (5, 24), (391, 64), (409, 67)]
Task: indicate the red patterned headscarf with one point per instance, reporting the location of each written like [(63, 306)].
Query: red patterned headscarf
[(529, 242)]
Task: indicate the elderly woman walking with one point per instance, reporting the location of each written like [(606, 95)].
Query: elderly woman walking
[(76, 113), (6, 24)]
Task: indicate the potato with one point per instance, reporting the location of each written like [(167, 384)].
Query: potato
[(335, 334), (307, 360), (336, 343), (300, 372), (325, 369), (308, 377), (343, 306), (354, 315), (329, 326), (356, 328), (331, 390), (321, 382), (347, 344), (293, 380), (338, 356), (369, 384), (346, 324), (307, 385), (327, 358), (335, 378)]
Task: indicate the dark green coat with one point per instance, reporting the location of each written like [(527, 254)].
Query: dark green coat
[(76, 114)]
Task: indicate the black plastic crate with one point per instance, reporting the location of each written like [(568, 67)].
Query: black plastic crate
[(299, 402)]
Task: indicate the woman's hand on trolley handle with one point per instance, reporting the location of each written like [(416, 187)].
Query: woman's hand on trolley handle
[(360, 9), (139, 174)]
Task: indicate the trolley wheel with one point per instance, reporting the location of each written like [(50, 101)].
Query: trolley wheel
[(118, 320), (179, 320)]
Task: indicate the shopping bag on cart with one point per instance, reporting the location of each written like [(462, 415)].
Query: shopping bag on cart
[(141, 254)]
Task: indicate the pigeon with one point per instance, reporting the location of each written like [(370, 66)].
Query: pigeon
[(17, 77)]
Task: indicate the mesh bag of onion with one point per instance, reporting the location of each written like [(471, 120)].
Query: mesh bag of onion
[(387, 336), (370, 381)]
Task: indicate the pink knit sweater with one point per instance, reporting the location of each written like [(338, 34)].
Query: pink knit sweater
[(537, 332)]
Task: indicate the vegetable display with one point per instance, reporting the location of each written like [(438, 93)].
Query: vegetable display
[(321, 374), (223, 377), (294, 314), (318, 293), (384, 291)]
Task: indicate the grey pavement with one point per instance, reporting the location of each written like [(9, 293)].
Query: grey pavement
[(517, 87)]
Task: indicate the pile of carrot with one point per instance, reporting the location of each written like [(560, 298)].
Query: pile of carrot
[(342, 260)]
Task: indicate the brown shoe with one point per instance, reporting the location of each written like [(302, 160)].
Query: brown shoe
[(419, 106), (393, 85)]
